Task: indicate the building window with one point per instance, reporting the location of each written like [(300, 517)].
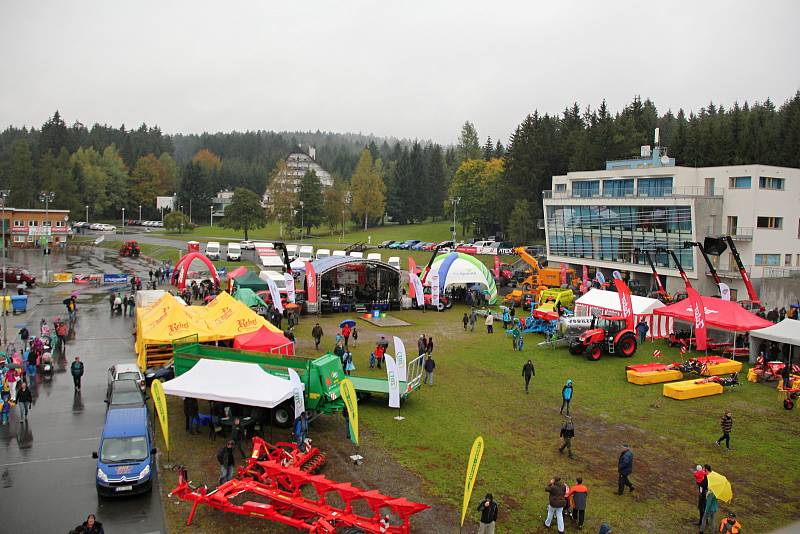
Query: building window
[(18, 223), (787, 260), (47, 223), (739, 182), (767, 182), (655, 187), (618, 188), (560, 188), (21, 239), (30, 239), (772, 223), (768, 260), (586, 188), (59, 224), (33, 223)]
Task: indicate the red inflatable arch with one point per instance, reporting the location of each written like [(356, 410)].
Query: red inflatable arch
[(182, 268)]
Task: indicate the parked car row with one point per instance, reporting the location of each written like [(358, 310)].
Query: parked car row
[(99, 227), (489, 247)]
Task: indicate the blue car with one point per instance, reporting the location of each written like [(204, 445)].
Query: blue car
[(125, 455), (408, 244), (419, 245)]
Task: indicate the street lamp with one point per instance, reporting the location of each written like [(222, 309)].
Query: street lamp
[(454, 201), (280, 224), (123, 221), (181, 218), (302, 227), (87, 213), (343, 212), (140, 214), (211, 209), (46, 197), (4, 194)]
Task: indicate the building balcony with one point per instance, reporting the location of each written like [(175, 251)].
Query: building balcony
[(671, 192), (741, 233)]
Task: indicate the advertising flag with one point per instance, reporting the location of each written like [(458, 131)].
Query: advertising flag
[(400, 355), (601, 279), (699, 312), (160, 402), (297, 392), (275, 294), (417, 293), (625, 302), (435, 289), (394, 384), (563, 274), (289, 279), (497, 267), (348, 393), (724, 291), (473, 464), (616, 275), (311, 284), (585, 282)]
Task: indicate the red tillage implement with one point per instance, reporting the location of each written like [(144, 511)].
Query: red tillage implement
[(278, 473)]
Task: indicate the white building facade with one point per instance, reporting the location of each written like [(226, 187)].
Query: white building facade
[(297, 164), (604, 218)]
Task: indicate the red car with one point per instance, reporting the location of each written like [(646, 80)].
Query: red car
[(17, 275)]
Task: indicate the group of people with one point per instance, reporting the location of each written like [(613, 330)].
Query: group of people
[(122, 303), (708, 506)]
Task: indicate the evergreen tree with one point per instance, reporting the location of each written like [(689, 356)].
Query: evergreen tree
[(54, 135), (24, 192), (521, 225), (244, 212), (488, 149), (310, 195), (468, 144)]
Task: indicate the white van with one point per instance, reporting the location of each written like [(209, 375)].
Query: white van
[(234, 252), (374, 256), (271, 262), (355, 254), (212, 250), (339, 253), (275, 276), (291, 250), (306, 253), (394, 261), (323, 253)]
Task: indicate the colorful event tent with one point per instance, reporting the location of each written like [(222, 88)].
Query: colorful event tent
[(786, 332), (601, 302), (721, 314), (250, 281), (228, 318), (457, 268), (264, 340), (248, 297)]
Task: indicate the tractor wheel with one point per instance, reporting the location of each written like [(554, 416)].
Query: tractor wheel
[(414, 303), (449, 304), (595, 352), (440, 307), (626, 346), (283, 415), (576, 347), (788, 404)]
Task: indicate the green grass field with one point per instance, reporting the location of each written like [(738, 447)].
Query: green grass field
[(479, 391)]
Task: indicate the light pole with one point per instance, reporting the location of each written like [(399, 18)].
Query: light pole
[(302, 227), (123, 221), (4, 193), (454, 201), (181, 218), (343, 212), (46, 197), (140, 214), (87, 213), (280, 224), (211, 209)]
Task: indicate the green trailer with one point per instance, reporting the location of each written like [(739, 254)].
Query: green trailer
[(320, 376)]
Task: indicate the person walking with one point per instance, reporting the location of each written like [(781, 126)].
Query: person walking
[(62, 330), (429, 346), (346, 334), (557, 491), (111, 298), (566, 395), (301, 431), (24, 400), (473, 318), (726, 423), (317, 334), (429, 366), (641, 330), (710, 513), (191, 411), (76, 370), (380, 350), (730, 525), (125, 305), (701, 479), (422, 345), (567, 433), (578, 494), (465, 321), (354, 335), (226, 462), (90, 526), (527, 372), (489, 322), (625, 468), (348, 362), (131, 305), (488, 509)]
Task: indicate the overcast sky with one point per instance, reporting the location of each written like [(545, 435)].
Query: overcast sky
[(392, 68)]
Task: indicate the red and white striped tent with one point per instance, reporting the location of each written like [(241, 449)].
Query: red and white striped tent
[(601, 302)]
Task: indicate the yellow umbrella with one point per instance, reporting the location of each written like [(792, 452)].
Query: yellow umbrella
[(720, 486)]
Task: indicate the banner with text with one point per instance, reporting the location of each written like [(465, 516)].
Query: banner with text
[(297, 393), (275, 294), (474, 462), (394, 384), (290, 295), (400, 354)]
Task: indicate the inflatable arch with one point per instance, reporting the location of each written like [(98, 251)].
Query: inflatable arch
[(458, 268), (182, 268)]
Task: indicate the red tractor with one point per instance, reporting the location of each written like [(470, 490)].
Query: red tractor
[(608, 335), (130, 250)]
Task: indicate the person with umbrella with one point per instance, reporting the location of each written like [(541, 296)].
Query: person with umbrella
[(710, 512), (346, 332)]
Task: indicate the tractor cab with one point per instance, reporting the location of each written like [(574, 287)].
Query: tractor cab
[(606, 334), (611, 325)]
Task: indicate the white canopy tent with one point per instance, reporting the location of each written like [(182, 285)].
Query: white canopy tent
[(601, 302), (236, 382), (786, 332)]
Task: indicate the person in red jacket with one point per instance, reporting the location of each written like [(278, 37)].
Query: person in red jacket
[(577, 496), (346, 334), (380, 350)]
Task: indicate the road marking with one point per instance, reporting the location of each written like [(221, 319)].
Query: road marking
[(47, 460)]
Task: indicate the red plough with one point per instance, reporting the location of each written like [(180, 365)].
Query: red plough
[(278, 474)]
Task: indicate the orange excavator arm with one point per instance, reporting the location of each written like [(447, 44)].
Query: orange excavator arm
[(527, 258)]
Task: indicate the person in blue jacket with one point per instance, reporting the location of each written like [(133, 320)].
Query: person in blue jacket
[(301, 431), (566, 395), (625, 468)]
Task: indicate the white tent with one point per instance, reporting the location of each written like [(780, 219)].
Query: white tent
[(235, 382), (601, 302), (786, 331)]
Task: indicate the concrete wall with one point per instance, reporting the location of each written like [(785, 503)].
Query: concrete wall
[(777, 292)]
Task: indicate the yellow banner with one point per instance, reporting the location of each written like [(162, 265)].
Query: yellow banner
[(348, 393), (473, 464), (62, 277), (160, 402)]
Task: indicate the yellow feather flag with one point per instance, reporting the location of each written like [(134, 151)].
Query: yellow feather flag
[(348, 393), (160, 402), (473, 464)]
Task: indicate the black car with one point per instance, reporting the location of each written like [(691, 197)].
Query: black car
[(161, 372), (385, 244), (125, 394)]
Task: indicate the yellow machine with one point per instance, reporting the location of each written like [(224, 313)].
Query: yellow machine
[(553, 299), (542, 278)]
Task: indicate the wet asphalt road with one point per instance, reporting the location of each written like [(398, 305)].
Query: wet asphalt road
[(46, 471)]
